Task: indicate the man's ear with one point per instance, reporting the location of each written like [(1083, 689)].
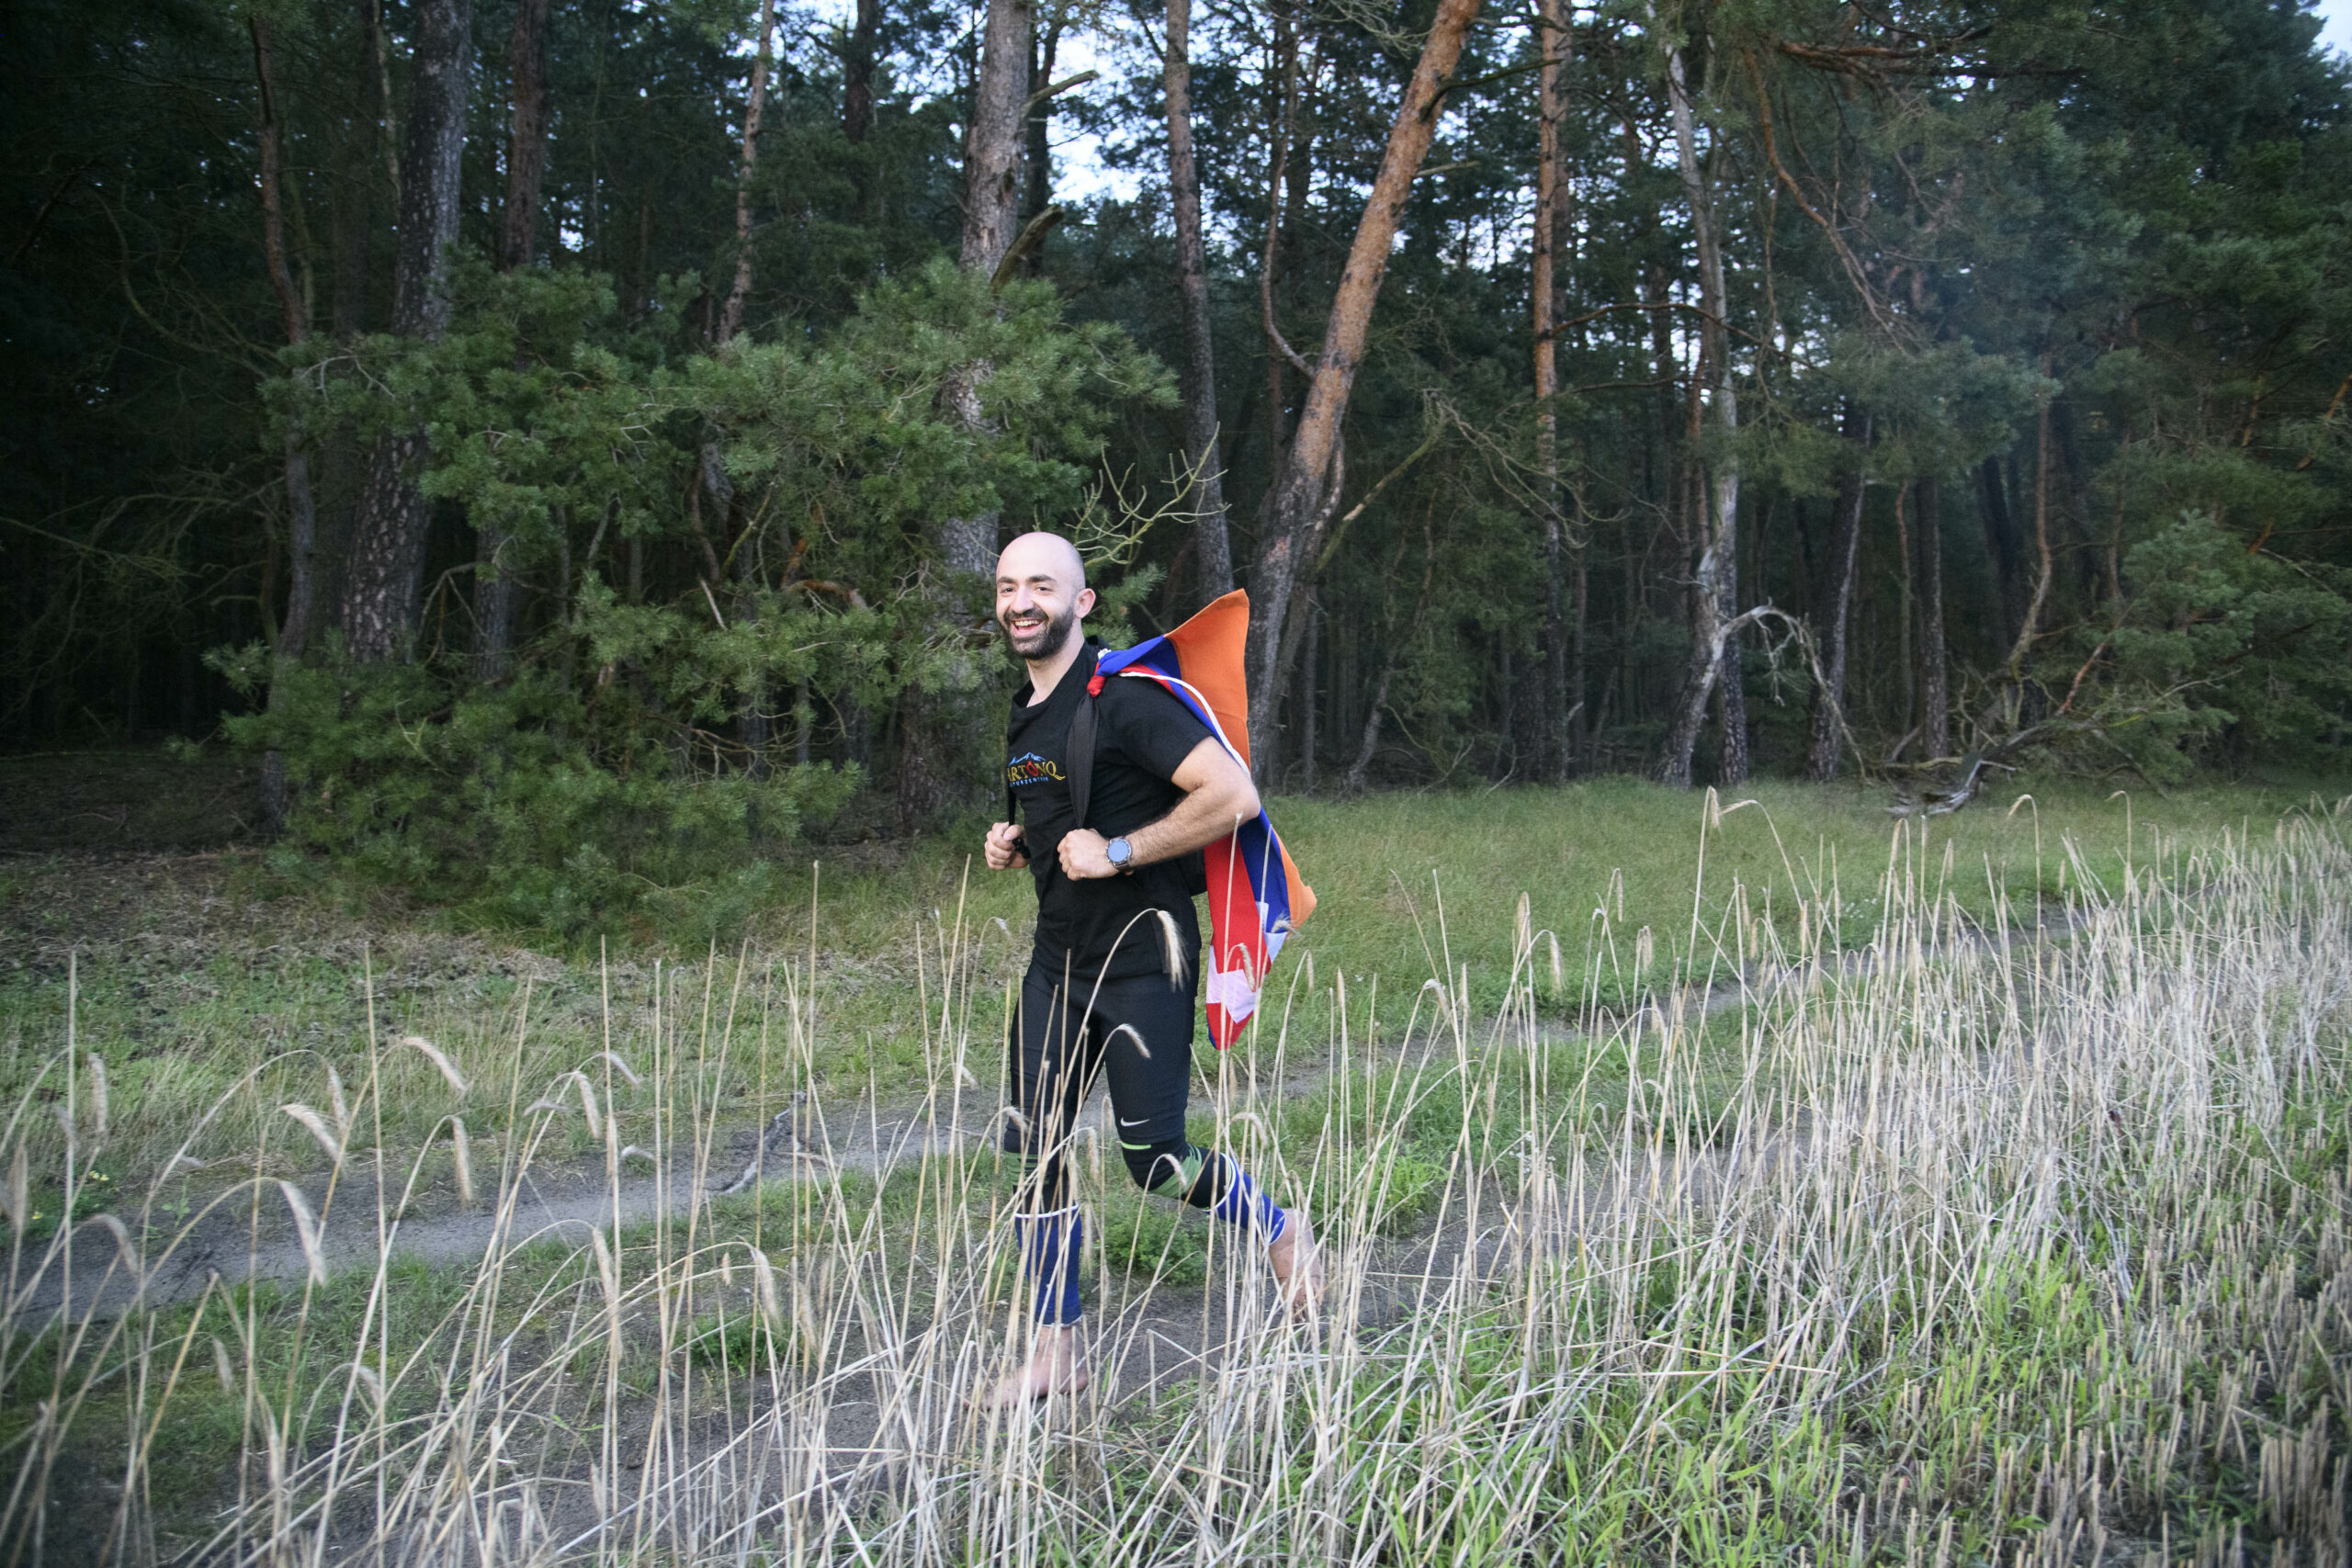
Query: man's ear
[(1085, 602)]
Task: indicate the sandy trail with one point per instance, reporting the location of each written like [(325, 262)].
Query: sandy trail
[(564, 1201)]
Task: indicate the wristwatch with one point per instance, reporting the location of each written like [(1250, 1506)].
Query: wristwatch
[(1121, 854)]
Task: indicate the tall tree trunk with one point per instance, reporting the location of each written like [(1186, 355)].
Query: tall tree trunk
[(1360, 770), (365, 156), (1037, 137), (1935, 669), (2029, 622), (1551, 742), (1280, 127), (1307, 698), (751, 716), (942, 733), (387, 572), (1906, 644), (1827, 741), (1577, 720), (730, 318), (992, 142), (992, 156), (1715, 584), (2001, 543), (1199, 379), (857, 73), (497, 595), (301, 514), (2069, 453), (350, 222), (526, 147), (1731, 692), (1307, 483)]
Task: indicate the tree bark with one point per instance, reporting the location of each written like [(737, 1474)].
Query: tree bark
[(992, 155), (1551, 744), (943, 733), (1733, 766), (526, 149), (1037, 135), (387, 572), (1827, 731), (2001, 543), (857, 73), (302, 512), (350, 224), (1935, 669), (992, 140), (1575, 720), (1307, 700), (1360, 770), (1715, 584), (1308, 485), (1281, 68), (1199, 379), (730, 318), (497, 595), (2029, 622)]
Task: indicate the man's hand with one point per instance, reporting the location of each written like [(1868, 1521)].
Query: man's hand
[(1003, 849), (1086, 855)]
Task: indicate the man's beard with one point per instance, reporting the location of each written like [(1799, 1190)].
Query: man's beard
[(1051, 636)]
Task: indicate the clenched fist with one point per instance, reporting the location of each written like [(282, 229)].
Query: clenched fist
[(1085, 855), (1004, 850)]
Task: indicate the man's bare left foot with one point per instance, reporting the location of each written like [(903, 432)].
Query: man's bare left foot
[(1056, 1364), (1298, 1266)]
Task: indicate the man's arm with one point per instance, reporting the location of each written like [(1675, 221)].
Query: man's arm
[(1217, 794)]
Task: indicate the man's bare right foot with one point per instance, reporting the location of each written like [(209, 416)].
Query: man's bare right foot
[(1056, 1364), (1299, 1265)]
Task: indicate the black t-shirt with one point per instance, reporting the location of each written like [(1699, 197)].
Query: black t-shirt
[(1142, 735)]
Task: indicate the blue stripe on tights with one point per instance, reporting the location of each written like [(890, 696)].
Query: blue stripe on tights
[(1245, 1203), (1049, 1250)]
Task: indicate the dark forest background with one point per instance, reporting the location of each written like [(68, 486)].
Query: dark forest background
[(561, 442)]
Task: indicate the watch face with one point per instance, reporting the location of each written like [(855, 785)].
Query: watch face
[(1118, 851)]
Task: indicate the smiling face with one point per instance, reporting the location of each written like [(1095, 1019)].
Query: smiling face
[(1041, 594)]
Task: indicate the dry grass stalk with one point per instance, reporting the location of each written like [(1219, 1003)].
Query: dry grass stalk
[(1965, 1248)]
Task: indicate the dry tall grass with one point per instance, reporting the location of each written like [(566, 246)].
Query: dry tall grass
[(1996, 1248)]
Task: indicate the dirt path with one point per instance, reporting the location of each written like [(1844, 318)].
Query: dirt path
[(565, 1201)]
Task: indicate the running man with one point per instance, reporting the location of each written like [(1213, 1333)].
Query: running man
[(1099, 998)]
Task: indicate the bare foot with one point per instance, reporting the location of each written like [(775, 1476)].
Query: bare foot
[(1056, 1364), (1298, 1266)]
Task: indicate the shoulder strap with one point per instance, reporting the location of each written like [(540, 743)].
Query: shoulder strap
[(1079, 750), (1012, 801)]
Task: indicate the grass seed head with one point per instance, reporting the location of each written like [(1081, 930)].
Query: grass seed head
[(97, 1095), (306, 1226), (461, 1156), (316, 1127), (434, 1055)]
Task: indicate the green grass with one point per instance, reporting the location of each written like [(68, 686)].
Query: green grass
[(189, 980), (1985, 1254), (1402, 879)]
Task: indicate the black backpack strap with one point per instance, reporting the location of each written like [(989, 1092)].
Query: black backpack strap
[(1012, 801), (1079, 750)]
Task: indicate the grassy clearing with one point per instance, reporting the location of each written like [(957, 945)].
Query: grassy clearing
[(188, 981), (2030, 1252)]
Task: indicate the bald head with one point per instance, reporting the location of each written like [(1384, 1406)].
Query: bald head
[(1036, 554), (1041, 595)]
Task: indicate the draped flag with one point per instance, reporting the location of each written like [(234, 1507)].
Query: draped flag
[(1256, 895)]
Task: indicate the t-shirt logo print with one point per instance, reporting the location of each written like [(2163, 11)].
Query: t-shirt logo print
[(1029, 769)]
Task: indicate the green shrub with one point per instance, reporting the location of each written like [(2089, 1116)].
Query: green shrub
[(524, 805)]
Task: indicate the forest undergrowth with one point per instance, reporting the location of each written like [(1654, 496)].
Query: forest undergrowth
[(2029, 1249)]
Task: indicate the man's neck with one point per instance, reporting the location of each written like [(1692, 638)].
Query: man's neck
[(1044, 674)]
